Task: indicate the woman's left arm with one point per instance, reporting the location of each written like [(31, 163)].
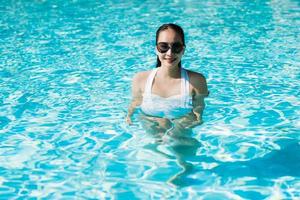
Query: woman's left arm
[(200, 91)]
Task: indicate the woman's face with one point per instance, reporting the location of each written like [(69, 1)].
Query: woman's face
[(173, 55)]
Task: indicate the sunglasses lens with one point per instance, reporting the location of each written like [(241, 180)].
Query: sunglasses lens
[(177, 47), (162, 47)]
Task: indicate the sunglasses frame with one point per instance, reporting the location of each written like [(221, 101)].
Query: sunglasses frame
[(177, 50)]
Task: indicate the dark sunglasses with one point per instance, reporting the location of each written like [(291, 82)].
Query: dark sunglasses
[(163, 47)]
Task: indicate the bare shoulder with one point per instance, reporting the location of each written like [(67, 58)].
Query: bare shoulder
[(139, 80), (141, 77), (196, 77), (198, 82)]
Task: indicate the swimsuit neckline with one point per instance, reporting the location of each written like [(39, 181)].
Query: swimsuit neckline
[(182, 79), (169, 97)]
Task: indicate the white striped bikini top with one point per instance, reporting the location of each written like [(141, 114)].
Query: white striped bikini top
[(172, 107)]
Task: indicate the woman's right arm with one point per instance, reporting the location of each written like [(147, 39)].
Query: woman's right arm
[(136, 97)]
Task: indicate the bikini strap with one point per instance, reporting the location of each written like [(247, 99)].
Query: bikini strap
[(149, 82), (185, 92), (185, 86)]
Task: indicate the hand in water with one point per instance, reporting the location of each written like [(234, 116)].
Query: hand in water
[(128, 120), (197, 115)]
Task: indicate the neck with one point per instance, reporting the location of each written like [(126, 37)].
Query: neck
[(170, 72)]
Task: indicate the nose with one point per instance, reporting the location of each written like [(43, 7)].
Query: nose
[(169, 52)]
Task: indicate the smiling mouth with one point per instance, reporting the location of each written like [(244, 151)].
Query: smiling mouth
[(170, 59)]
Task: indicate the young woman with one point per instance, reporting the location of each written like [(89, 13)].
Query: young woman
[(169, 94)]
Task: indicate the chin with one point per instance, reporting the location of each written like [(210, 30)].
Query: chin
[(174, 64)]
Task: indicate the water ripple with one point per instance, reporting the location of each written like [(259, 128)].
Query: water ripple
[(65, 75)]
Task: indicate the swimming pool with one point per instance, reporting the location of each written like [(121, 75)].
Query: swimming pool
[(65, 73)]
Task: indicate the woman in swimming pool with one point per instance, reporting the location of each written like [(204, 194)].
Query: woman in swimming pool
[(170, 96)]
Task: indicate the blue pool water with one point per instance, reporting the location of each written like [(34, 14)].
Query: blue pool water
[(65, 75)]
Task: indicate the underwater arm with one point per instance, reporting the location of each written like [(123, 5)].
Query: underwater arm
[(136, 99), (200, 91), (198, 107)]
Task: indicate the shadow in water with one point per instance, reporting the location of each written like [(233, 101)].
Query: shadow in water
[(278, 163)]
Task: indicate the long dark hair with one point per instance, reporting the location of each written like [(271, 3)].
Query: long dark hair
[(174, 27)]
